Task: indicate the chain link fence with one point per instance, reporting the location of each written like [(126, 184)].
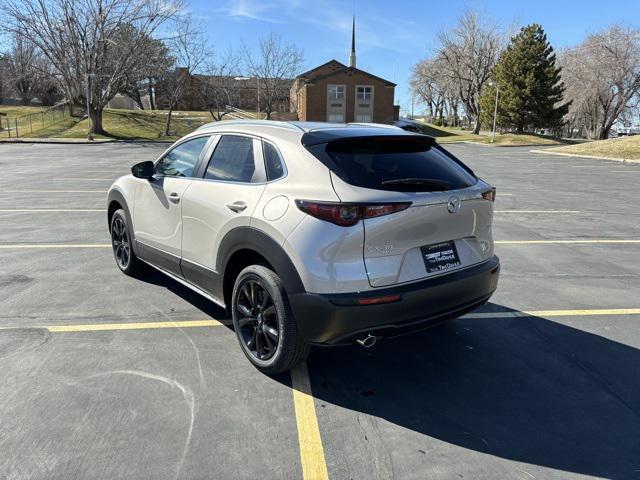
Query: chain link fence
[(31, 124)]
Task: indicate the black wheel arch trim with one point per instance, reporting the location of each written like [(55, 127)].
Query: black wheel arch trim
[(117, 196), (251, 238)]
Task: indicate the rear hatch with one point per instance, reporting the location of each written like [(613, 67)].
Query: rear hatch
[(447, 226)]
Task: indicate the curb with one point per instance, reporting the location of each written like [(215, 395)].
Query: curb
[(562, 154)]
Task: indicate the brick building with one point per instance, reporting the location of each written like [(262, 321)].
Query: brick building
[(334, 92), (238, 92)]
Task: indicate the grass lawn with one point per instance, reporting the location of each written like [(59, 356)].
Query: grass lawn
[(627, 148), (17, 110), (141, 125), (449, 135)]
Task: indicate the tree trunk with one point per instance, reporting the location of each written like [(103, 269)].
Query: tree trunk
[(138, 99), (95, 121), (168, 124), (152, 103), (476, 127)]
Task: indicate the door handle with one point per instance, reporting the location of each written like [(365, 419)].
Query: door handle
[(174, 197), (237, 206)]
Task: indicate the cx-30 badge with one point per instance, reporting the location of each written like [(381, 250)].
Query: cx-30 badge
[(453, 204)]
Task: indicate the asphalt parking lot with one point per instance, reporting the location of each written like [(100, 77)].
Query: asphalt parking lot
[(105, 376)]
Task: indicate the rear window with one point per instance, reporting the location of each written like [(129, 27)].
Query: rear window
[(401, 163)]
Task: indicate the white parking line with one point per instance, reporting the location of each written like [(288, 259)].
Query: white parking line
[(536, 211), (555, 313), (27, 246), (53, 191), (50, 210), (546, 242)]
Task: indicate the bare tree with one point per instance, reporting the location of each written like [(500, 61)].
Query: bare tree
[(436, 90), (154, 61), (602, 78), (468, 53), (189, 49), (220, 87), (424, 84), (24, 68), (88, 42), (275, 65)]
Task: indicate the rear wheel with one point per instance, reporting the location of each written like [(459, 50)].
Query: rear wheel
[(264, 323), (123, 253)]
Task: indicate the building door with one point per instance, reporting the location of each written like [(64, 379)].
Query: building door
[(336, 105), (363, 111)]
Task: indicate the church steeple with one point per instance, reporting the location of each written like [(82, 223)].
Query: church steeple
[(352, 55)]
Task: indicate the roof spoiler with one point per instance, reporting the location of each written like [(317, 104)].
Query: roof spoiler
[(316, 137)]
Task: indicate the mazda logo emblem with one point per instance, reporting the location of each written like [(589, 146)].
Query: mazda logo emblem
[(453, 204)]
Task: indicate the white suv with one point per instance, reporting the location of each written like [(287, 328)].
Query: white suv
[(311, 233)]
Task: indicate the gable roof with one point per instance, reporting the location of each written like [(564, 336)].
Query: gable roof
[(309, 73), (309, 76)]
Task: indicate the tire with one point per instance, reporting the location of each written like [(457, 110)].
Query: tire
[(257, 317), (125, 257)]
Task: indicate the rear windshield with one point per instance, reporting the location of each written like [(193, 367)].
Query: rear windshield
[(401, 163)]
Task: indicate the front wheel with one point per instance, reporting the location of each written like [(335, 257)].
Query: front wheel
[(264, 323), (123, 253)]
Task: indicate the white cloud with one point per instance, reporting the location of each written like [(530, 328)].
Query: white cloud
[(378, 32)]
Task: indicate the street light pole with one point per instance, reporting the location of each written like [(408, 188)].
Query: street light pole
[(88, 92), (495, 114), (258, 85)]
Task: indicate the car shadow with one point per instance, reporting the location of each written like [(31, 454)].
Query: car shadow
[(525, 389), (521, 388), (154, 277)]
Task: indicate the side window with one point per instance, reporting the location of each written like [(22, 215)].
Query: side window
[(272, 161), (233, 161), (181, 161)]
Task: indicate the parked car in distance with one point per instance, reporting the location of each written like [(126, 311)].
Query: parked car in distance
[(628, 130), (311, 233)]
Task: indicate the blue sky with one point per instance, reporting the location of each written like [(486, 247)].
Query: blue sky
[(393, 35)]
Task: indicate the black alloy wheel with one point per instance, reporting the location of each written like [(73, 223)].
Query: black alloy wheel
[(257, 319), (120, 243)]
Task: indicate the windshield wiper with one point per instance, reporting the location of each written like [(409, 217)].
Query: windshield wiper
[(422, 182)]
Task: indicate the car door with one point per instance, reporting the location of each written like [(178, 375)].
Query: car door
[(232, 183), (158, 204)]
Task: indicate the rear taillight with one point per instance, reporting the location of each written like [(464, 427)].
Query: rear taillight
[(490, 194), (348, 214)]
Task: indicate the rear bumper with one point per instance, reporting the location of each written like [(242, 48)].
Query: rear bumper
[(337, 319)]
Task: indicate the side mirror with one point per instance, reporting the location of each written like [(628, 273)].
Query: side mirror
[(143, 170)]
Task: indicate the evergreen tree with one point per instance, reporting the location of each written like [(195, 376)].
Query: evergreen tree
[(530, 84)]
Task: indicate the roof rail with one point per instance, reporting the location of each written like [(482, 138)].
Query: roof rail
[(251, 122)]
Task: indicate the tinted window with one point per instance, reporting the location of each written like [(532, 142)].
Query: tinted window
[(233, 160), (396, 163), (272, 161), (181, 161)]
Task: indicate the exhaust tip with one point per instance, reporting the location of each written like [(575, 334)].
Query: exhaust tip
[(367, 342)]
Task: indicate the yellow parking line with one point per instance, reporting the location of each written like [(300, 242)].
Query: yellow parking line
[(546, 242), (537, 211), (46, 210), (556, 313), (314, 466), (25, 246), (96, 327)]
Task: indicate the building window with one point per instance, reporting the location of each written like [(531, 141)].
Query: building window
[(335, 92), (336, 118), (364, 93), (366, 118)]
